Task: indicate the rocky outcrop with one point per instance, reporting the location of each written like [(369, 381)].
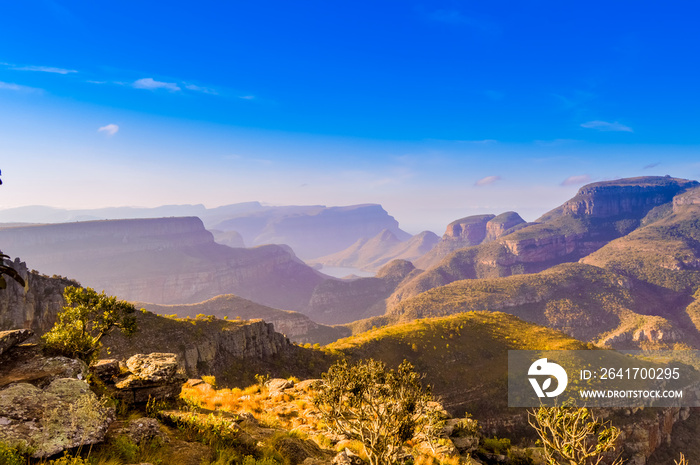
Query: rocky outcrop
[(690, 197), (149, 377), (45, 404), (64, 415), (34, 306), (470, 231), (204, 346), (630, 197), (641, 437)]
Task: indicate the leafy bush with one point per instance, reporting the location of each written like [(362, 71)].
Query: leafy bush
[(381, 408), (86, 319)]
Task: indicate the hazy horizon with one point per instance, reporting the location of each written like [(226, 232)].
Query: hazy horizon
[(436, 111)]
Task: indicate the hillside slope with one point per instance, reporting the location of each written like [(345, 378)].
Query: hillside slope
[(585, 302), (464, 356)]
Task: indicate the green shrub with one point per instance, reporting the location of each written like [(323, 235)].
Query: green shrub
[(10, 455)]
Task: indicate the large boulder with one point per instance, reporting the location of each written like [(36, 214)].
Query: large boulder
[(153, 376), (27, 364), (64, 415)]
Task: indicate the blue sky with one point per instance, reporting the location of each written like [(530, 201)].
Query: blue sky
[(436, 110)]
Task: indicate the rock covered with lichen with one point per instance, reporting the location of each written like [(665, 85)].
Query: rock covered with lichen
[(64, 415)]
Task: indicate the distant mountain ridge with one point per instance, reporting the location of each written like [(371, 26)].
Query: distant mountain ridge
[(311, 230), (164, 260), (373, 253)]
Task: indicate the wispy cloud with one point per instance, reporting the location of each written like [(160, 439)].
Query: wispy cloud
[(152, 84), (45, 69), (606, 126), (18, 88), (204, 90), (247, 97), (651, 165), (487, 180), (110, 129), (576, 180)]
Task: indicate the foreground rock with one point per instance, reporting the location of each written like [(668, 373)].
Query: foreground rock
[(64, 415), (154, 376)]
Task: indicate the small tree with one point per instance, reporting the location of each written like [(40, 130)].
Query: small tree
[(379, 407), (572, 435), (85, 320)]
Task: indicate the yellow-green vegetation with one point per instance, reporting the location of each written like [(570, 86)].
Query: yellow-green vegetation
[(664, 253), (584, 301), (381, 408), (464, 356), (573, 435), (85, 320)]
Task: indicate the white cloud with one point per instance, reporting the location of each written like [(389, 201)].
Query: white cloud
[(247, 97), (110, 129), (576, 180), (606, 126), (45, 69), (151, 84), (487, 180), (17, 87), (204, 90)]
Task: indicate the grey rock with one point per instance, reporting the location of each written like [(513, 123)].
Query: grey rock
[(105, 369), (153, 367), (26, 364), (64, 415)]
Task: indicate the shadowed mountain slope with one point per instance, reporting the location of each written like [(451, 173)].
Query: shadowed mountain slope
[(343, 301)]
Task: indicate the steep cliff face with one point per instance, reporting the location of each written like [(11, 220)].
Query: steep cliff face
[(34, 306), (632, 197), (165, 260), (598, 214), (206, 346), (470, 231)]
